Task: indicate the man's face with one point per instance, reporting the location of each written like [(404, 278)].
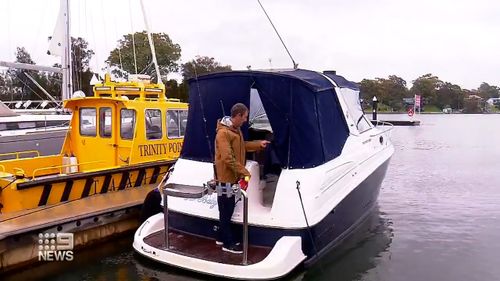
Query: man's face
[(240, 119)]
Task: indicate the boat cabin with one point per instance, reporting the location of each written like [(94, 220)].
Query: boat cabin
[(123, 124)]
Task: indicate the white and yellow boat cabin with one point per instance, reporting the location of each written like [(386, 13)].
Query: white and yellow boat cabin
[(127, 135)]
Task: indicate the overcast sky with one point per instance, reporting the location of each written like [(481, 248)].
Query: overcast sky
[(459, 41)]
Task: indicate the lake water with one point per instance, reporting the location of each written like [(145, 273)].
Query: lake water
[(438, 216)]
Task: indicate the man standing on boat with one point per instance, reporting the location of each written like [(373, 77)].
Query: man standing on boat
[(230, 151)]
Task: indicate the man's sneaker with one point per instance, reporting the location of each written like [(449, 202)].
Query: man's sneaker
[(236, 249), (218, 243)]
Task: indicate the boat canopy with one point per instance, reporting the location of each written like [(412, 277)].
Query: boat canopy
[(302, 107)]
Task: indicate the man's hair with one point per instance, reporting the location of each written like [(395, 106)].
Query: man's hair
[(238, 108)]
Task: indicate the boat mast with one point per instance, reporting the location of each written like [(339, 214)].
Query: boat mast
[(151, 44), (67, 81)]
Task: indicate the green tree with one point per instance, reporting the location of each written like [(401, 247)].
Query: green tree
[(389, 91), (450, 95), (201, 65), (369, 88), (395, 90), (427, 86), (81, 56), (21, 86), (176, 90), (487, 91), (121, 59)]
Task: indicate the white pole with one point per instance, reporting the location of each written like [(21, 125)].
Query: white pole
[(151, 43), (67, 81)]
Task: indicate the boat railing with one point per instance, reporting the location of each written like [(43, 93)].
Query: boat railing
[(383, 124), (60, 167), (190, 191), (19, 153)]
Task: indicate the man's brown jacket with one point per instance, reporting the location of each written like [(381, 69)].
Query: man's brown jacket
[(230, 150)]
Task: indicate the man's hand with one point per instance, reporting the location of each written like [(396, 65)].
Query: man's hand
[(264, 143)]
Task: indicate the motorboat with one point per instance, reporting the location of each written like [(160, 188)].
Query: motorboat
[(316, 182)]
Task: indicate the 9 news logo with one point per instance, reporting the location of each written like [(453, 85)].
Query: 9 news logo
[(55, 247)]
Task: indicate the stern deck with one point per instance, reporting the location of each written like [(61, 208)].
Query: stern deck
[(203, 248)]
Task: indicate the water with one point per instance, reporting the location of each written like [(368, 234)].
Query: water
[(438, 216)]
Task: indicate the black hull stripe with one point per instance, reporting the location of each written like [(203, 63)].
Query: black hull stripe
[(156, 173), (105, 185), (36, 183), (45, 194), (124, 180), (86, 189), (140, 177), (67, 191)]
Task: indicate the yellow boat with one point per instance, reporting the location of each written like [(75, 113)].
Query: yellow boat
[(127, 135)]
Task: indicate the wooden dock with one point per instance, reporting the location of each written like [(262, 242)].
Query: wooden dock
[(398, 122), (90, 219)]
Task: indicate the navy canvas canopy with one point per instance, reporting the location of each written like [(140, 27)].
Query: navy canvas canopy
[(302, 107)]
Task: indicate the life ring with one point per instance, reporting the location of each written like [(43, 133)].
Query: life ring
[(410, 112)]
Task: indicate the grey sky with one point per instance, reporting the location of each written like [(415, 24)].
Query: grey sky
[(455, 40)]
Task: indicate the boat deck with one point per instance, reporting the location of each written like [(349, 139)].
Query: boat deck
[(203, 248), (43, 217)]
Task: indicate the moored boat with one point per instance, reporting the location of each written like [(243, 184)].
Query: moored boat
[(127, 135), (316, 182)]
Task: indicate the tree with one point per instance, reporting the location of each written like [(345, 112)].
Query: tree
[(176, 90), (486, 91), (395, 90), (20, 84), (121, 59), (450, 95), (367, 90), (23, 88), (389, 91), (201, 65), (427, 86)]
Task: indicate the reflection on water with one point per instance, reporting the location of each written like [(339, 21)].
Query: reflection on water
[(359, 253), (438, 217)]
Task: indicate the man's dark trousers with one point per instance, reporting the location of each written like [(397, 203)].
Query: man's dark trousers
[(226, 209)]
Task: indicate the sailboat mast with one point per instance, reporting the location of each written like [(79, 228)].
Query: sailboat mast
[(151, 44), (67, 81)]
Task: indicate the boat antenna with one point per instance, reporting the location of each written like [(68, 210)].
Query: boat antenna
[(295, 65), (151, 44)]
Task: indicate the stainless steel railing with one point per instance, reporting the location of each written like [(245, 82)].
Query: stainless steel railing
[(189, 191)]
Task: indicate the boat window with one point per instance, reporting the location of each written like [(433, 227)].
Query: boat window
[(3, 126), (127, 124), (88, 118), (153, 124), (105, 122), (173, 123), (27, 125), (176, 123), (183, 119), (363, 124)]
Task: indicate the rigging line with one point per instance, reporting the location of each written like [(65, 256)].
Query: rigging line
[(295, 65), (93, 36), (119, 51), (133, 37), (105, 31), (204, 121), (25, 84)]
